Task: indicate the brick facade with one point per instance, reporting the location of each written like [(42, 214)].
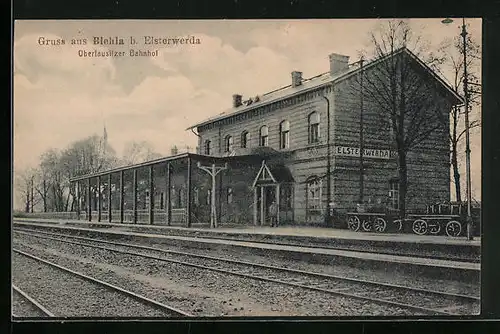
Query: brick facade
[(296, 171)]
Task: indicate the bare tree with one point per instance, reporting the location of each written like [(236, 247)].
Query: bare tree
[(91, 155), (405, 95), (25, 183), (41, 187), (50, 181), (452, 51), (137, 152), (174, 150), (51, 168), (86, 156)]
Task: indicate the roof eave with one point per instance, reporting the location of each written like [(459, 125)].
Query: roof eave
[(129, 167), (329, 82)]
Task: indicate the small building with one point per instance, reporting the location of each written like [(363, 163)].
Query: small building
[(298, 146)]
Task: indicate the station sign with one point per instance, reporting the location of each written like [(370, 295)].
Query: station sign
[(368, 153)]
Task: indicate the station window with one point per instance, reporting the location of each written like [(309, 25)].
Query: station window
[(196, 196), (245, 139), (207, 147), (228, 143), (229, 195), (180, 198), (264, 136), (314, 193), (209, 196), (284, 134), (162, 201), (314, 128), (172, 196), (394, 194), (286, 197)]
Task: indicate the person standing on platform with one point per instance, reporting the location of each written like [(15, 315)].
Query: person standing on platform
[(273, 214)]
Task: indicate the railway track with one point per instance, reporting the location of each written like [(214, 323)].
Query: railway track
[(338, 247), (32, 303), (162, 308), (413, 299)]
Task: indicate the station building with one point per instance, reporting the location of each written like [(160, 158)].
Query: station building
[(298, 146)]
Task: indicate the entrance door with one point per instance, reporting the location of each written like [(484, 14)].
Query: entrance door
[(266, 194), (270, 196)]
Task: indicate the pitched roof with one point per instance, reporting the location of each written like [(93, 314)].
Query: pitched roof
[(274, 173), (317, 81)]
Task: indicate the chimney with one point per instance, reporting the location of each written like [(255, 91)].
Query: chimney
[(338, 63), (237, 100), (296, 78)]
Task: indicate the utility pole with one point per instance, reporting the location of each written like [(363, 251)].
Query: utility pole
[(212, 170), (467, 127), (467, 134), (32, 201), (328, 164), (361, 140)]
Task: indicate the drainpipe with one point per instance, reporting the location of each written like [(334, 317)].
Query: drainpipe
[(361, 140), (328, 162)]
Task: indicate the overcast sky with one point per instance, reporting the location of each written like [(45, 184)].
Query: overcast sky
[(60, 97)]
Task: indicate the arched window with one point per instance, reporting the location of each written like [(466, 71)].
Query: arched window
[(314, 196), (207, 147), (284, 134), (314, 120), (245, 139), (228, 147), (264, 136)]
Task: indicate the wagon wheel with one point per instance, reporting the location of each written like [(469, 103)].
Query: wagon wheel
[(435, 228), (367, 225), (419, 227), (453, 228), (353, 223), (399, 224), (379, 225)]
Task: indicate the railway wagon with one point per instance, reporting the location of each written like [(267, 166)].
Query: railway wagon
[(440, 218)]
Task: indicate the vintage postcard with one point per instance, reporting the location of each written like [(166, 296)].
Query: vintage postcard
[(225, 168)]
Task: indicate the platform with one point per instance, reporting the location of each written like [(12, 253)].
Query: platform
[(304, 232)]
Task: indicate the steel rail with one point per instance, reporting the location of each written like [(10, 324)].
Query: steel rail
[(109, 286), (466, 298), (348, 249), (297, 271), (32, 301)]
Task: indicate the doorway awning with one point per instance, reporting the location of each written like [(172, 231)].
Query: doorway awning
[(272, 175)]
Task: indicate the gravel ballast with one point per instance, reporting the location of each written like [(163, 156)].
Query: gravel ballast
[(66, 295), (423, 298), (214, 293), (387, 275), (23, 308), (372, 262)]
